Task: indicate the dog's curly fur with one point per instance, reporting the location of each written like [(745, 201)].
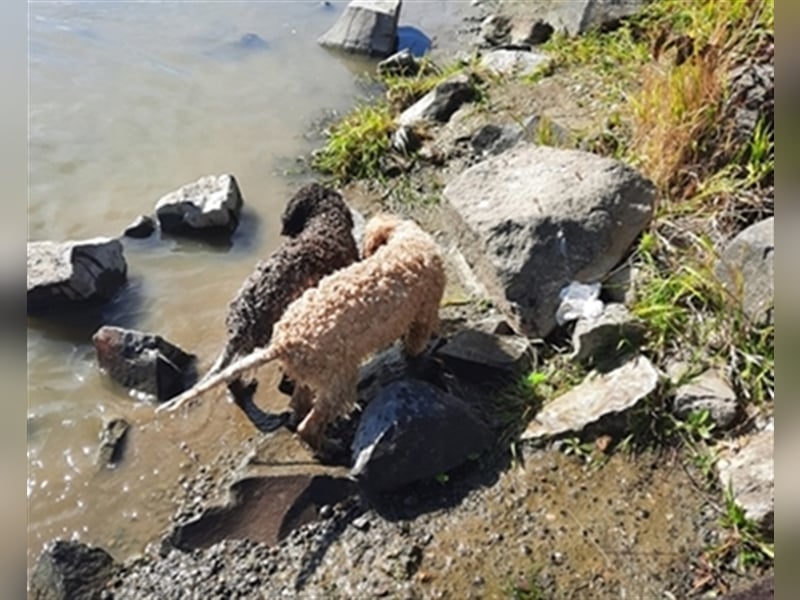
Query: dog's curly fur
[(393, 292), (319, 225)]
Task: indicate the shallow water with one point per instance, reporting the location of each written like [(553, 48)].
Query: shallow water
[(129, 101)]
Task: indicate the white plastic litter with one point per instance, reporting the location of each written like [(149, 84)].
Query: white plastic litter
[(579, 300)]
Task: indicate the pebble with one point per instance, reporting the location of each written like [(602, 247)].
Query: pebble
[(557, 558), (325, 511)]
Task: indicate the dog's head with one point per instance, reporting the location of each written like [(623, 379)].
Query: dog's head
[(312, 201), (378, 231)]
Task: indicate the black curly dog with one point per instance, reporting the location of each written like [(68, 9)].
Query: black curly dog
[(319, 225)]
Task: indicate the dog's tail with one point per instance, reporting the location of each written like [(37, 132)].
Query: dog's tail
[(259, 356)]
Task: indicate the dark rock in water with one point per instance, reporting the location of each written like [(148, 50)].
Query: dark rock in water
[(470, 349), (112, 442), (413, 431), (365, 27), (401, 63), (413, 40), (211, 204), (263, 509), (252, 41), (144, 362), (70, 571), (142, 227), (68, 273)]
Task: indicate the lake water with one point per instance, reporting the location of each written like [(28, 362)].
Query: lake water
[(129, 101)]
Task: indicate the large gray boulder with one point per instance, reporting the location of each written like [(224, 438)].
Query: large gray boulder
[(70, 571), (365, 27), (579, 16), (143, 362), (533, 219), (414, 431), (64, 273), (747, 270), (211, 204)]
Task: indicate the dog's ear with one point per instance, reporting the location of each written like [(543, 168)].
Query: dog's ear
[(377, 233)]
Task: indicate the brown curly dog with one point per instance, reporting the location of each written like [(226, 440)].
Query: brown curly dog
[(323, 337)]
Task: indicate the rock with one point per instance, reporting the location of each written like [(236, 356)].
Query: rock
[(749, 469), (619, 287), (211, 204), (401, 63), (747, 268), (413, 431), (579, 16), (535, 218), (70, 571), (441, 102), (263, 509), (616, 331), (751, 97), (144, 362), (515, 62), (405, 140), (495, 29), (471, 349), (142, 227), (529, 32), (601, 397), (61, 274), (709, 391), (112, 442), (252, 41), (494, 139), (365, 27)]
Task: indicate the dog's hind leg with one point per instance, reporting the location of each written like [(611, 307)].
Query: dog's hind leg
[(337, 399)]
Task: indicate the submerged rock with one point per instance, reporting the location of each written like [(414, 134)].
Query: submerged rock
[(211, 204), (365, 27), (68, 273), (414, 431), (749, 469), (747, 270), (112, 442), (599, 397), (535, 218), (144, 362), (70, 571), (263, 509)]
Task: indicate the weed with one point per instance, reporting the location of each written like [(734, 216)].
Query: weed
[(356, 143), (527, 589)]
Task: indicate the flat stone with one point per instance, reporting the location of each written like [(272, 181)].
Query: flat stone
[(144, 362), (69, 273), (515, 62), (70, 571), (747, 270), (599, 396), (212, 204), (441, 102), (365, 27), (749, 469), (472, 348), (414, 431), (709, 391), (616, 331), (535, 218), (263, 509)]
